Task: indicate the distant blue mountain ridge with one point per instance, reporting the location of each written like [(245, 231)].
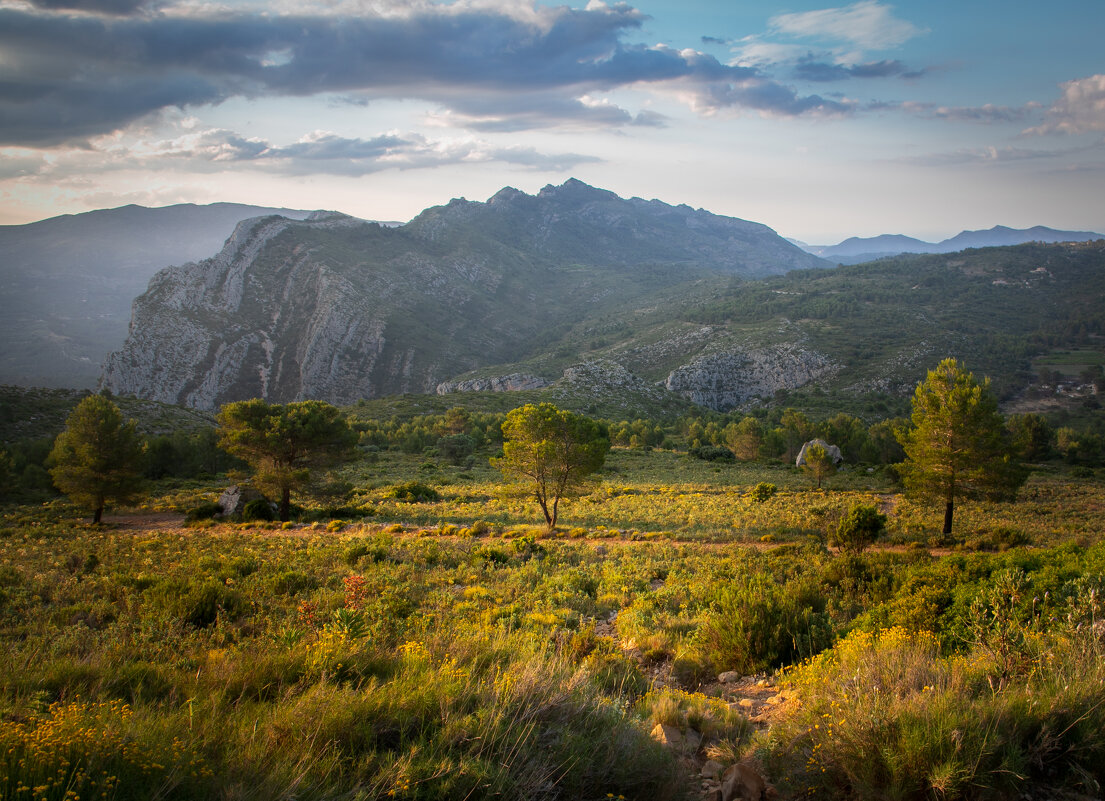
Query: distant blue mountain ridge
[(860, 249)]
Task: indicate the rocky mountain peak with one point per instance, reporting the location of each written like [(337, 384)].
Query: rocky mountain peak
[(576, 192), (335, 308)]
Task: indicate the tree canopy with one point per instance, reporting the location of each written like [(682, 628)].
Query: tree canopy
[(818, 463), (98, 457), (958, 446), (284, 443), (554, 450)]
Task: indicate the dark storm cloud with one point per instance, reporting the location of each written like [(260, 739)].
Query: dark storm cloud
[(65, 77)]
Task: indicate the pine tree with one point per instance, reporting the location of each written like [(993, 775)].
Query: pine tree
[(98, 457), (958, 446), (283, 444)]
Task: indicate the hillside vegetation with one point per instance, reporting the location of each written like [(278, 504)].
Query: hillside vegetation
[(443, 647), (481, 296), (413, 632)]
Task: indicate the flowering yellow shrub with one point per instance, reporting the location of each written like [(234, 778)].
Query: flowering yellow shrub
[(87, 750)]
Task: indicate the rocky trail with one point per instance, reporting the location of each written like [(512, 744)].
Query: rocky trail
[(756, 698)]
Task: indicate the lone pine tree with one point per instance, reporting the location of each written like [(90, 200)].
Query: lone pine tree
[(958, 446)]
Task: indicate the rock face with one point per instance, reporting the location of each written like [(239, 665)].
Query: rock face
[(67, 283), (514, 382), (239, 326), (729, 379), (234, 499), (338, 309)]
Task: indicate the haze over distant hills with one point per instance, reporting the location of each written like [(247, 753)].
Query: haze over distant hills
[(855, 250), (67, 283)]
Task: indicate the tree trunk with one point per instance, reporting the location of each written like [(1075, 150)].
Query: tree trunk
[(285, 505), (98, 515), (948, 517), (552, 520)]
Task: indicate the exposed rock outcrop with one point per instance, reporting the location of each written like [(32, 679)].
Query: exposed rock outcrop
[(832, 450), (515, 382), (733, 378), (338, 309), (237, 326)]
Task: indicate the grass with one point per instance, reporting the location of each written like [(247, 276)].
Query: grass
[(449, 648), (888, 716)]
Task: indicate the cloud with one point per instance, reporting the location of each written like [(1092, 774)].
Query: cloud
[(1080, 109), (986, 114), (323, 152), (67, 77), (810, 69), (111, 7), (980, 155), (771, 99), (20, 165), (829, 44), (867, 24)]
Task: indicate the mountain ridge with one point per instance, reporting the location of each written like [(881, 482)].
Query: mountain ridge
[(67, 282), (855, 250), (365, 311)]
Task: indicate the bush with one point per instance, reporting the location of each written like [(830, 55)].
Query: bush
[(197, 603), (757, 624), (887, 716), (456, 448), (258, 509), (414, 492), (205, 511), (712, 453), (762, 491), (858, 529)]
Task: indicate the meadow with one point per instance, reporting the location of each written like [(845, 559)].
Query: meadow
[(442, 645)]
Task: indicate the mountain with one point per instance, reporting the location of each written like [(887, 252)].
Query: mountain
[(855, 250), (340, 309), (67, 283)]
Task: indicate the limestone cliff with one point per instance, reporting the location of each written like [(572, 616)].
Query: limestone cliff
[(338, 309), (734, 378)]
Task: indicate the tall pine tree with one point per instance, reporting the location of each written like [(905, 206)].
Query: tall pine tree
[(98, 457), (958, 446)]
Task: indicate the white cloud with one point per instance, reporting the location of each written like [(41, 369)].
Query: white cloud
[(989, 154), (867, 24), (830, 44), (1081, 109)]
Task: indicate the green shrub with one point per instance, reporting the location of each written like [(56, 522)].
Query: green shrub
[(712, 453), (258, 509), (756, 624), (860, 527), (414, 492), (763, 491), (887, 716), (197, 603), (205, 511), (292, 582)]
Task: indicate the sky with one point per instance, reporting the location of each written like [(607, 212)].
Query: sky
[(917, 117)]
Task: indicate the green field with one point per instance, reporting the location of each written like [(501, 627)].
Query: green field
[(453, 649)]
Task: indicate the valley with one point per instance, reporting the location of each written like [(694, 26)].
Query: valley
[(697, 626)]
